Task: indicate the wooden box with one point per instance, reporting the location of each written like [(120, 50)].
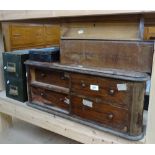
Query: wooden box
[(126, 55), (110, 100)]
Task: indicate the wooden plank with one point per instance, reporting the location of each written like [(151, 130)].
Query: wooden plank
[(102, 30), (59, 125), (1, 60), (31, 14), (150, 132), (5, 121)]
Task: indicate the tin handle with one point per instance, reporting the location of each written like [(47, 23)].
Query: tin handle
[(11, 67), (13, 90)]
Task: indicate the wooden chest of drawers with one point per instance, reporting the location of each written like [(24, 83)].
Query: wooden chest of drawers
[(97, 98)]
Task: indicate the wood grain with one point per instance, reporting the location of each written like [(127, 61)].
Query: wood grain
[(101, 113), (107, 106), (101, 30), (107, 92), (5, 122), (52, 77), (132, 56), (43, 96), (25, 35)]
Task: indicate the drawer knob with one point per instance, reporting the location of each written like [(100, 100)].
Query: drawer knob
[(125, 129), (42, 94), (83, 84), (111, 91), (110, 116), (43, 75), (62, 78)]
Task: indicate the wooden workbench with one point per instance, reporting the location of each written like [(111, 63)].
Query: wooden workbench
[(10, 108)]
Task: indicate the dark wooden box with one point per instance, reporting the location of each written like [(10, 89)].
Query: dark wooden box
[(45, 54), (126, 55), (110, 100)]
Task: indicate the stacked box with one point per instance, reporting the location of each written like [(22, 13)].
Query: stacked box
[(15, 74)]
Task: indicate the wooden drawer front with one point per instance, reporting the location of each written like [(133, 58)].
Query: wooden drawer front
[(100, 113), (105, 89), (52, 77), (51, 98)]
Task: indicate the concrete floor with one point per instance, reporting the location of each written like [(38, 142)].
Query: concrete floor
[(25, 133)]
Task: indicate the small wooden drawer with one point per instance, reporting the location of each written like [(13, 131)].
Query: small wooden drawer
[(109, 90), (57, 101), (52, 77), (100, 113)]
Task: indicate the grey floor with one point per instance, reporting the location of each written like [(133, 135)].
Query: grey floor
[(25, 133)]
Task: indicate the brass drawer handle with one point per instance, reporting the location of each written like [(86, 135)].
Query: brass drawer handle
[(110, 116)]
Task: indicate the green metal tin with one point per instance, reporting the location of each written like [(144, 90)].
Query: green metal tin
[(13, 63), (16, 89), (15, 74)]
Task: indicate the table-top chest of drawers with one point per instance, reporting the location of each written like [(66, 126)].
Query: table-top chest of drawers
[(99, 98)]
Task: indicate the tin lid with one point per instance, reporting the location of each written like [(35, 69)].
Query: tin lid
[(45, 50)]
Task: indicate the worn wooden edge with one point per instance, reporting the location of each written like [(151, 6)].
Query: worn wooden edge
[(59, 125), (31, 14), (5, 122), (111, 73), (137, 107), (64, 114), (50, 87)]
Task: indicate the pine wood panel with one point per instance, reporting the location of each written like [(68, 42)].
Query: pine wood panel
[(25, 36), (101, 30)]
